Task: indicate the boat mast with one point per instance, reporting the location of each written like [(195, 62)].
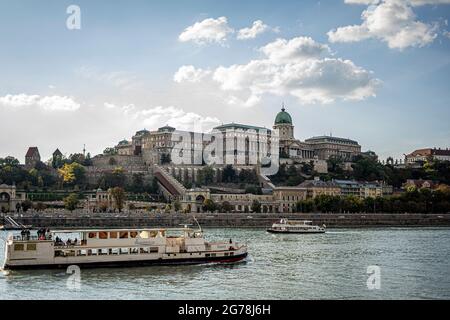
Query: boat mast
[(198, 224)]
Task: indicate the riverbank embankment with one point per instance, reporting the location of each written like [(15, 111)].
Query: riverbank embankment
[(139, 220)]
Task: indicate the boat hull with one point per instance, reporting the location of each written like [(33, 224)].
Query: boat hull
[(129, 264), (297, 232)]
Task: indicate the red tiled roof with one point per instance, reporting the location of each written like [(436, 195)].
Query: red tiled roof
[(429, 152), (32, 151)]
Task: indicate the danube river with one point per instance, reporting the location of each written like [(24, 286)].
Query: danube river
[(414, 263)]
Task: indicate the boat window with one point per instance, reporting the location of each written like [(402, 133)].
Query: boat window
[(31, 246), (103, 235), (207, 255), (123, 234), (148, 234), (134, 251), (123, 250), (133, 234), (92, 235), (18, 247), (144, 250), (113, 235), (154, 250)]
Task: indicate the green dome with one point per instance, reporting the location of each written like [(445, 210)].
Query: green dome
[(283, 117)]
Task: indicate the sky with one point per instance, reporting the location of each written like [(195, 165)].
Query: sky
[(376, 71)]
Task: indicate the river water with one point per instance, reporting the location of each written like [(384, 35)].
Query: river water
[(414, 263)]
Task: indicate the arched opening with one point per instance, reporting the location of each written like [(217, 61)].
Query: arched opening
[(200, 199)]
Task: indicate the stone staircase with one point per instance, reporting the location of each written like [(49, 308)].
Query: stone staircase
[(168, 182), (265, 181)]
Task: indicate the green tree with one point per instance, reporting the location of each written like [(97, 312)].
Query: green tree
[(256, 206), (226, 207), (248, 176), (209, 205), (118, 195), (27, 204), (72, 174), (177, 205), (205, 176), (71, 202), (294, 177), (137, 185), (229, 174), (110, 151), (335, 164)]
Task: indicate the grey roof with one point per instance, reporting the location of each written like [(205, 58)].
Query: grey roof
[(239, 126), (353, 182), (123, 142), (330, 139), (166, 127), (317, 184)]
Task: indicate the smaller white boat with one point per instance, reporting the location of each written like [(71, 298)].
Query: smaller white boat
[(295, 226)]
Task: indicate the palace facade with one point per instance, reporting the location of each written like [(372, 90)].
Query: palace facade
[(242, 144)]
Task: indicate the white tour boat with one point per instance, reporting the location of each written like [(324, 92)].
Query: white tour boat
[(116, 248), (295, 226)]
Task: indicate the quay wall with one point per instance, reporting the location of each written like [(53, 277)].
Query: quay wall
[(231, 220)]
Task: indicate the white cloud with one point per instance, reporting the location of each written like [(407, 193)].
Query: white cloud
[(414, 3), (190, 74), (257, 28), (425, 2), (293, 67), (366, 2), (207, 31), (48, 103), (391, 21), (296, 49), (159, 116)]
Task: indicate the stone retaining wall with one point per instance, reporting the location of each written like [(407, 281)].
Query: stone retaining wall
[(236, 220)]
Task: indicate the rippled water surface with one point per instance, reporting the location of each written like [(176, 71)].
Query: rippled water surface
[(415, 264)]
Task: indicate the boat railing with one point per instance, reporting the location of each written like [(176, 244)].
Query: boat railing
[(25, 238), (66, 245)]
